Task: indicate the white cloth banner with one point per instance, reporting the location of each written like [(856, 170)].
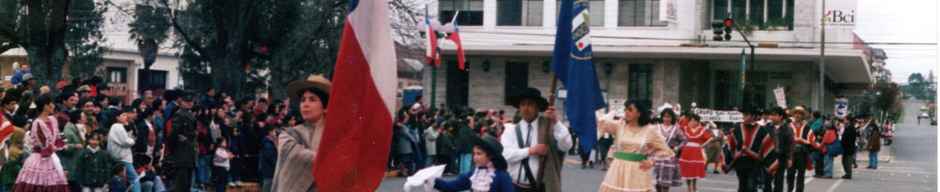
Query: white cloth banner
[(781, 97), (719, 116)]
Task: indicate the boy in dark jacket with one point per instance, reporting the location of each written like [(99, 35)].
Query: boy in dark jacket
[(118, 177), (446, 150), (268, 159), (782, 137), (94, 163)]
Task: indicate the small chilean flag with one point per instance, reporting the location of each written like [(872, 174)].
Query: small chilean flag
[(430, 41), (456, 38), (358, 130)]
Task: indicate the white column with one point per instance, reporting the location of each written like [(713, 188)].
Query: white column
[(611, 13), (765, 11), (747, 10), (784, 3), (489, 14), (548, 14)]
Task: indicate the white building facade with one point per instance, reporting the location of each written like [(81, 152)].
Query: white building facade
[(640, 53)]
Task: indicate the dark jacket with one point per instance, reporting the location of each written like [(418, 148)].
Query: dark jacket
[(501, 182), (205, 138), (849, 137), (874, 139), (268, 158), (140, 144), (237, 147), (783, 142), (117, 185), (183, 152), (445, 145), (94, 167), (464, 143)]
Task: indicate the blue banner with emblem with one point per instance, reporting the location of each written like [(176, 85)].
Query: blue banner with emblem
[(573, 64)]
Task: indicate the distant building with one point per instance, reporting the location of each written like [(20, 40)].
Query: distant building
[(652, 49)]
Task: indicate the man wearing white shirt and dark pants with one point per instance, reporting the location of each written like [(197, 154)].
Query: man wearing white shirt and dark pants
[(535, 146)]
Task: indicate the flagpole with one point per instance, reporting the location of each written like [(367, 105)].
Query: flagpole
[(551, 100), (543, 136)]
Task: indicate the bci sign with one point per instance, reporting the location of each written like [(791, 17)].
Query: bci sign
[(835, 17)]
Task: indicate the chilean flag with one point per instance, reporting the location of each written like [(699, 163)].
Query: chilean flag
[(456, 38), (430, 42), (358, 129)]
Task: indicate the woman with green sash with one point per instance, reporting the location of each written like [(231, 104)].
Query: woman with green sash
[(636, 147)]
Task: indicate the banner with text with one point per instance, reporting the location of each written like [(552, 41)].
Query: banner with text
[(719, 116)]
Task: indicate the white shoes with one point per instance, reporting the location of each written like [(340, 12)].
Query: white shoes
[(239, 184), (230, 184)]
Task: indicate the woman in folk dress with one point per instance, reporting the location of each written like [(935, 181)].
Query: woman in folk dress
[(691, 161), (41, 170), (635, 142), (667, 171)]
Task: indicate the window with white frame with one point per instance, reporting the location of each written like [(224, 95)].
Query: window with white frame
[(519, 12), (117, 74), (471, 11), (639, 13), (596, 9), (765, 14)]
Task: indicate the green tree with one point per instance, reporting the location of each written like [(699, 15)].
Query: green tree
[(917, 85), (149, 30), (84, 39), (39, 27), (888, 100), (309, 44)]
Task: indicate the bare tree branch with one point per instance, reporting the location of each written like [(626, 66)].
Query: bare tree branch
[(201, 51)]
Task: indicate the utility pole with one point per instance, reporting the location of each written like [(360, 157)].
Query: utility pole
[(822, 61)]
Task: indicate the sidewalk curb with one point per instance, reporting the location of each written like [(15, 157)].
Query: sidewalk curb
[(884, 156)]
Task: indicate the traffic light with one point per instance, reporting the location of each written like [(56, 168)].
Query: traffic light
[(728, 23), (716, 29), (722, 29)]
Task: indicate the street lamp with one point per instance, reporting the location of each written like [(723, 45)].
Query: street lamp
[(422, 28)]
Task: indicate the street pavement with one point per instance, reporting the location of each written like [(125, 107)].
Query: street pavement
[(912, 167)]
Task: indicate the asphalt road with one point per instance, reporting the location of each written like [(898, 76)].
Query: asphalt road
[(913, 167)]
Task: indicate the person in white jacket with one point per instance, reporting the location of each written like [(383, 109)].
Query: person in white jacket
[(119, 146), (430, 144)]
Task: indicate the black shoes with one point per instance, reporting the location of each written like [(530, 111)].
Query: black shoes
[(847, 177)]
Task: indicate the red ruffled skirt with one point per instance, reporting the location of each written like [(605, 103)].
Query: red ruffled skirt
[(692, 163)]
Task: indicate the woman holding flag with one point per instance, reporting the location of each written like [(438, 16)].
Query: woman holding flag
[(635, 143), (298, 145)]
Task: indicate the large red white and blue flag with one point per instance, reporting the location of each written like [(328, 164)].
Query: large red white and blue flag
[(431, 50), (456, 38), (574, 66), (358, 130)]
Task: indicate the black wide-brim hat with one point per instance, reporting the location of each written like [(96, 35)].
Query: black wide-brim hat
[(492, 146), (529, 93)]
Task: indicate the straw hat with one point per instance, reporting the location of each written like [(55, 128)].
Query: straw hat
[(799, 109), (314, 81)]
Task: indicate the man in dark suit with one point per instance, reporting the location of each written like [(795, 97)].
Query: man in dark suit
[(183, 145), (849, 136), (783, 145)]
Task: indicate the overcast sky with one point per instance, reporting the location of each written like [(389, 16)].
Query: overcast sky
[(901, 21)]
